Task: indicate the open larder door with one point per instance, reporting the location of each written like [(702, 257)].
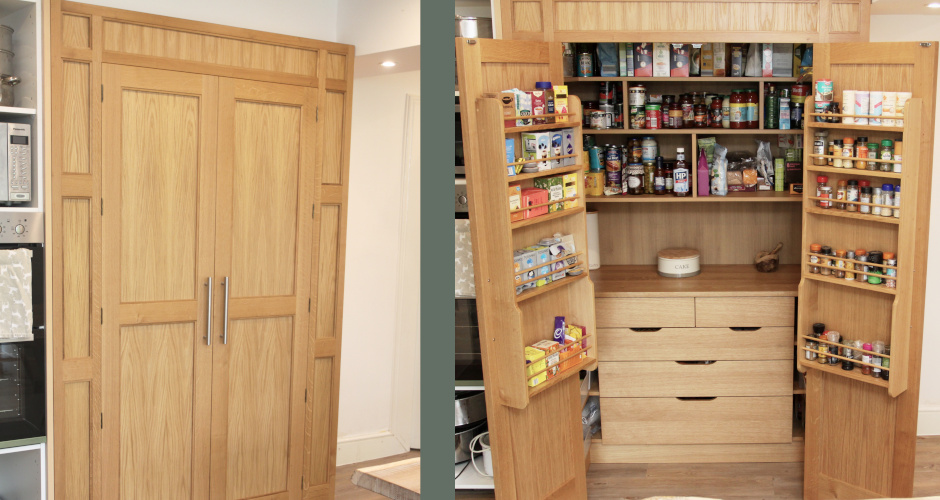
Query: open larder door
[(535, 431), (861, 430)]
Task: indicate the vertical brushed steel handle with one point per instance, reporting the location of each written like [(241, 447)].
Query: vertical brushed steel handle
[(208, 336), (225, 324)]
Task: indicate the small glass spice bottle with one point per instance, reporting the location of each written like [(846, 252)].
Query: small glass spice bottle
[(825, 260), (865, 197), (847, 353), (886, 153), (861, 152), (898, 150), (837, 153), (875, 257), (848, 151), (840, 195), (836, 337), (812, 349), (866, 358), (897, 202), (887, 198), (892, 274), (851, 194), (879, 347), (831, 150), (872, 155), (886, 363), (849, 266), (877, 199), (840, 263), (823, 191), (819, 332), (862, 257), (815, 248)]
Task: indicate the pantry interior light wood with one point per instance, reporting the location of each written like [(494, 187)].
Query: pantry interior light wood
[(837, 344), (833, 212), (545, 173), (851, 171), (541, 127), (548, 217)]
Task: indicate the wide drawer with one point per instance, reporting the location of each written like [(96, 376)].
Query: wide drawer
[(744, 311), (727, 420), (645, 312), (657, 379), (681, 344)]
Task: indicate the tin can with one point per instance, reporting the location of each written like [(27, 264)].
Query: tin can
[(594, 183), (594, 157), (618, 115), (605, 95), (586, 64), (599, 120), (654, 116), (637, 95), (612, 159), (637, 117), (609, 112)]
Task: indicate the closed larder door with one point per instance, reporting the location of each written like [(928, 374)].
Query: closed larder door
[(158, 152), (263, 219)]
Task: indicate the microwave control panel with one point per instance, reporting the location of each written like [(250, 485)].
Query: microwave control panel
[(18, 227), (19, 162)]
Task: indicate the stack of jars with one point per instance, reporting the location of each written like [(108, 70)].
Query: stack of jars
[(884, 201), (859, 265), (858, 153), (871, 358)]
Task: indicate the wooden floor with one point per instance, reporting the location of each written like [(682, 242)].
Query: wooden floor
[(726, 481)]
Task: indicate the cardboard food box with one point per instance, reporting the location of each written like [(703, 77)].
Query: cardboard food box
[(720, 57), (523, 108), (557, 149), (561, 102), (515, 203), (738, 59), (708, 60), (552, 351), (642, 59), (660, 59), (541, 256), (537, 146), (555, 190), (511, 156), (679, 59), (524, 261), (695, 60), (567, 147), (534, 196), (538, 98), (782, 59), (573, 342), (570, 185), (607, 59), (626, 58), (508, 100), (535, 363)]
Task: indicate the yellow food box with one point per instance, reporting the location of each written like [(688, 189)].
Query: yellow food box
[(552, 351), (573, 342), (570, 186), (532, 366)]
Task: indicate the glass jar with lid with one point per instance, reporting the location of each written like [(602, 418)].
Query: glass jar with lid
[(650, 148), (738, 110), (634, 180)]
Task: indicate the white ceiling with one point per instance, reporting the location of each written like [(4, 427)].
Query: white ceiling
[(905, 7)]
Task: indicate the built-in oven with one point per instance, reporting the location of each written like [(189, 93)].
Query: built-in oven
[(22, 356)]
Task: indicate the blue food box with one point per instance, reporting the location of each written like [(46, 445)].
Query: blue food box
[(511, 155)]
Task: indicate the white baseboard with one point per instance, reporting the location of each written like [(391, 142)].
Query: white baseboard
[(355, 449), (928, 420)]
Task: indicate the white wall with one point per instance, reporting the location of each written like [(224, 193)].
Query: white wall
[(379, 25), (924, 28)]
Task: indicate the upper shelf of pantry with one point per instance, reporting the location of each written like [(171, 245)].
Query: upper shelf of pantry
[(640, 79)]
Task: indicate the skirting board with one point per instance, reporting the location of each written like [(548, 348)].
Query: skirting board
[(355, 449), (928, 420), (696, 453)]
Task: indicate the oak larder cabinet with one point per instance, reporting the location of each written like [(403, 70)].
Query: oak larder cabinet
[(198, 212), (655, 405)]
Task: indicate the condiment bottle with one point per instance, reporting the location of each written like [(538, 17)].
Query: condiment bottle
[(872, 155), (886, 363), (852, 194), (670, 182), (848, 150), (771, 107), (703, 183), (650, 149), (738, 110), (659, 177), (840, 263), (680, 174), (701, 116), (891, 280), (841, 194), (688, 110), (879, 347), (675, 115), (751, 101), (837, 152), (815, 249), (897, 202), (874, 257), (849, 266), (862, 257), (865, 197), (714, 113), (818, 332), (862, 153), (821, 182), (877, 199), (826, 266), (726, 112), (866, 358), (887, 197), (898, 149)]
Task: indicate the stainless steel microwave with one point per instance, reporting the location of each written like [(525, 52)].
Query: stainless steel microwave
[(16, 165)]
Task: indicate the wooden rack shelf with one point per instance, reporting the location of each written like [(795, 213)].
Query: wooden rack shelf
[(547, 217), (854, 159), (714, 281), (755, 196), (837, 370), (849, 283), (865, 203), (835, 212), (582, 365), (852, 171), (662, 79), (689, 131), (541, 127), (850, 126), (544, 173), (539, 290)]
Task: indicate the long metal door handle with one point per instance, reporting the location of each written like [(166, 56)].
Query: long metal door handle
[(225, 324), (209, 314)]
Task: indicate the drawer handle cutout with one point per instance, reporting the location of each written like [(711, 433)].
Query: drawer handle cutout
[(745, 328), (696, 362), (646, 329), (698, 399)]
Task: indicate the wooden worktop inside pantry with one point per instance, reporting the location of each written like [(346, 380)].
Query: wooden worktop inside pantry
[(714, 280)]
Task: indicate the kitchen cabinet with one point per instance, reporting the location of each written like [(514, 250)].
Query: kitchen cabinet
[(213, 205), (860, 431)]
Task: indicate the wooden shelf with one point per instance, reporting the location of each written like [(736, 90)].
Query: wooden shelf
[(547, 217), (799, 433), (540, 127), (714, 280), (850, 283), (539, 290), (756, 196), (796, 387), (689, 131), (853, 171), (594, 390), (850, 126), (855, 374), (662, 79), (544, 173), (834, 212), (9, 110), (573, 371)]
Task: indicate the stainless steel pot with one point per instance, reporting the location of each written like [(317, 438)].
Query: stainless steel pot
[(462, 438), (6, 38), (473, 27), (469, 407), (6, 63), (7, 96)]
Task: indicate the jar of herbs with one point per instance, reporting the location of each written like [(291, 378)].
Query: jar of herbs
[(872, 155), (886, 153), (840, 263), (825, 260), (815, 249), (892, 274)]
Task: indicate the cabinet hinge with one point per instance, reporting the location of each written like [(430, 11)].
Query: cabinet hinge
[(102, 93)]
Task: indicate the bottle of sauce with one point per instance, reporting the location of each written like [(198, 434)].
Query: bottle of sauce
[(659, 177), (701, 116), (751, 101), (680, 174), (714, 113), (675, 115), (771, 108), (650, 149), (739, 112), (688, 110), (667, 175), (726, 111)]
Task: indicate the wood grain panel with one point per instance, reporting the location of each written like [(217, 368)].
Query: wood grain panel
[(329, 254), (744, 311), (678, 344), (76, 117), (168, 43), (333, 138), (75, 463), (656, 379), (157, 387), (259, 379), (335, 65), (725, 420), (264, 201), (160, 153), (76, 278), (685, 454), (321, 404), (645, 313), (527, 16), (76, 32), (844, 17)]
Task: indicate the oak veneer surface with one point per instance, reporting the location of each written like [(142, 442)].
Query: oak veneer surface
[(714, 280), (726, 481)]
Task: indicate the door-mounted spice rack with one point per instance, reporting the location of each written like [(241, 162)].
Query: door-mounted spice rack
[(562, 374)]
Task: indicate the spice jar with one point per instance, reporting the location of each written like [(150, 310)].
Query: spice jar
[(861, 152), (872, 155), (826, 263), (814, 258), (835, 337), (714, 113), (649, 173), (866, 358), (819, 147), (898, 150), (812, 348), (865, 197), (892, 274), (819, 330), (837, 152), (634, 180), (654, 116), (879, 347), (675, 115), (701, 116), (875, 257), (840, 195), (849, 266), (738, 110), (886, 363), (861, 256), (659, 177), (840, 263), (688, 111), (887, 151), (848, 150), (876, 199), (847, 353), (823, 191)]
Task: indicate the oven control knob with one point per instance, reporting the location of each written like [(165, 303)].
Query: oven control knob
[(19, 229)]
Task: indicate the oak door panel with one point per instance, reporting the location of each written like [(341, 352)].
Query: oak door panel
[(264, 202), (158, 152)]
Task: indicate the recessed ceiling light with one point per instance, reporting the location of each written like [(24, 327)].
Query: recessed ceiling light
[(389, 64), (934, 5)]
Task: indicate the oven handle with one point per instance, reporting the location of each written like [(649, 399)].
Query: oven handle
[(225, 320), (208, 336)]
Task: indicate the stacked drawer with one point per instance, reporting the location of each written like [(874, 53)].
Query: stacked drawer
[(696, 370)]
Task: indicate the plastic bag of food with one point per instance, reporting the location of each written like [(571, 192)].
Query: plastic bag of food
[(720, 176), (765, 163)]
